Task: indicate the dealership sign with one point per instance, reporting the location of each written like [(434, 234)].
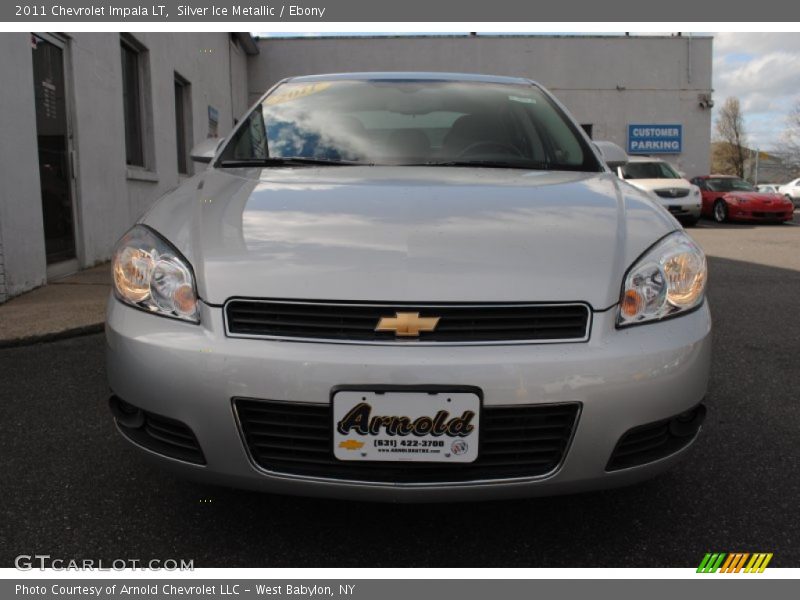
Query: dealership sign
[(655, 139)]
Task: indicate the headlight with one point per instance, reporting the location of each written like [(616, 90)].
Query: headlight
[(695, 190), (151, 274), (668, 279)]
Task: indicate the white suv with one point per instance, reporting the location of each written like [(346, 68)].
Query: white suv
[(660, 180), (792, 191)]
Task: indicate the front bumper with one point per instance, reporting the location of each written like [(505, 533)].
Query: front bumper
[(683, 209), (621, 378), (773, 213)]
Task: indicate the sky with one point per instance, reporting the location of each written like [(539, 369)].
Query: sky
[(761, 69)]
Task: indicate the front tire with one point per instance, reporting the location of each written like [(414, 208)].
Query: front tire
[(689, 221), (720, 211)]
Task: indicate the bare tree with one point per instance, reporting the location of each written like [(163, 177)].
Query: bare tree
[(730, 152), (789, 148)]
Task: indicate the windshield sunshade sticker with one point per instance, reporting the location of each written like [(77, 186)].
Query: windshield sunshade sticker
[(522, 99), (289, 92)]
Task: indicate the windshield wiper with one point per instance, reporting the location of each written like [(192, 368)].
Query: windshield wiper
[(288, 161), (489, 164)]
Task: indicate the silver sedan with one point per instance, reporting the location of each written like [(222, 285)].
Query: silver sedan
[(409, 287)]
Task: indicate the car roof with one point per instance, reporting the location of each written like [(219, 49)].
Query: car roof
[(717, 176), (412, 76)]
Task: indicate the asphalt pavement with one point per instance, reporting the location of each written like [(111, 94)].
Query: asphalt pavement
[(73, 489)]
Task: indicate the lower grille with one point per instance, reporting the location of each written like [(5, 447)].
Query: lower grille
[(297, 439), (653, 441), (677, 209), (457, 323), (161, 435)]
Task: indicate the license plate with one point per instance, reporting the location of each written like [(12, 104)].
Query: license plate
[(406, 426)]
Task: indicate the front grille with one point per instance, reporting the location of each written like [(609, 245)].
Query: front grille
[(297, 439), (673, 193), (458, 323), (657, 440)]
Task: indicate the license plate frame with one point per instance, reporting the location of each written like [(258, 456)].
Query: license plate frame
[(409, 402)]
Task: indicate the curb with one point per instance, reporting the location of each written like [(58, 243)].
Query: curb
[(53, 337)]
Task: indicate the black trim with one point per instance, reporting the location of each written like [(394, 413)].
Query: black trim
[(312, 321), (312, 423), (654, 441), (156, 433)]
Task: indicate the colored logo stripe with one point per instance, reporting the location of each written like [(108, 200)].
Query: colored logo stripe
[(711, 562), (758, 563), (734, 562)]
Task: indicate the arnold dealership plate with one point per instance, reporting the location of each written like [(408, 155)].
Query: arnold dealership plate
[(406, 426)]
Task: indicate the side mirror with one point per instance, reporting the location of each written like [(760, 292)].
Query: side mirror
[(613, 155), (205, 151)]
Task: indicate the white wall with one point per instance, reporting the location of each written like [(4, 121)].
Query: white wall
[(21, 226), (659, 77), (239, 93), (110, 196), (3, 292)]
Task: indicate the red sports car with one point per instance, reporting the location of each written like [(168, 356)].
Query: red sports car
[(728, 198)]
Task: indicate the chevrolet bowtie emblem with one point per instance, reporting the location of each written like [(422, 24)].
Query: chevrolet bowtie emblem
[(407, 324), (351, 444)]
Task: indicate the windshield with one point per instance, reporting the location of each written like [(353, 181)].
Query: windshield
[(649, 170), (396, 122), (728, 184)]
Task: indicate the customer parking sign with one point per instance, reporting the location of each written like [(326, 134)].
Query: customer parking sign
[(655, 139)]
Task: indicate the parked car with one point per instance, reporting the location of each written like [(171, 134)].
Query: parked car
[(409, 286), (768, 188), (791, 191), (728, 198), (659, 179)]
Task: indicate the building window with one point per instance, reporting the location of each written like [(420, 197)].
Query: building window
[(588, 127), (132, 103), (183, 123), (137, 109)]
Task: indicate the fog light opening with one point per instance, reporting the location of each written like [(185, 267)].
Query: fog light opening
[(125, 413), (688, 423)]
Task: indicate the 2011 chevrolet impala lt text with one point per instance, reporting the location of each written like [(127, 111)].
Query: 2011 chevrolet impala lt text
[(411, 287)]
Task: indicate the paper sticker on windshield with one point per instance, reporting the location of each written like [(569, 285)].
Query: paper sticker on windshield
[(289, 92), (522, 99)]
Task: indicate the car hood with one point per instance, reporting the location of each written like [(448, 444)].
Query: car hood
[(409, 233), (659, 184)]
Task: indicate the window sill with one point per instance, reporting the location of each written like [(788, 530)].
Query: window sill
[(141, 175)]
